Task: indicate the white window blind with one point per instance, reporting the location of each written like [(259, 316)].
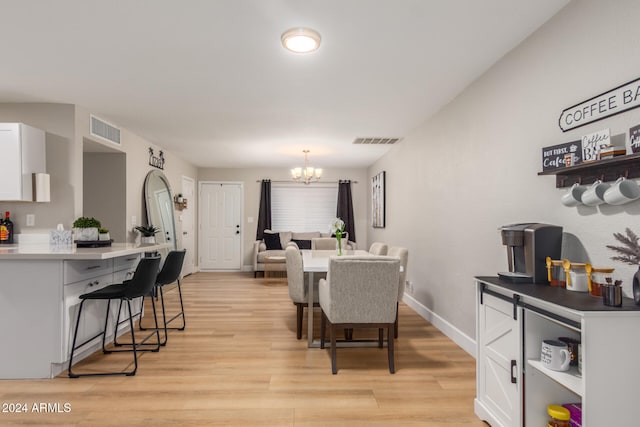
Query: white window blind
[(296, 207)]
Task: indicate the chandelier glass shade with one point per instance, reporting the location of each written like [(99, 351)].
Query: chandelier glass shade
[(307, 173)]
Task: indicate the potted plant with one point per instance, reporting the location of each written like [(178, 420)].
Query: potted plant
[(103, 234), (86, 229), (148, 233), (629, 253)]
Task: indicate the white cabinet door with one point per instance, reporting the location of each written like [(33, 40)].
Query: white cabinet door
[(499, 362), (23, 153)]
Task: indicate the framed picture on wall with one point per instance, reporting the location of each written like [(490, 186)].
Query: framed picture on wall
[(377, 200)]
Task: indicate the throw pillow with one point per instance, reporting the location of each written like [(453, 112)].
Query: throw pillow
[(272, 240), (302, 244)]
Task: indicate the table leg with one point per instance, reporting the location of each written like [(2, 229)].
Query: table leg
[(310, 312)]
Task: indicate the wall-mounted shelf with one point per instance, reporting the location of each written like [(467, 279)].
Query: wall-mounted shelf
[(604, 170)]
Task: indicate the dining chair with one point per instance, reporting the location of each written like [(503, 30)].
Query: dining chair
[(378, 248), (403, 255), (360, 292), (140, 285), (170, 273), (298, 284)]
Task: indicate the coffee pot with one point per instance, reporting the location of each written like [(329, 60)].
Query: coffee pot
[(528, 245)]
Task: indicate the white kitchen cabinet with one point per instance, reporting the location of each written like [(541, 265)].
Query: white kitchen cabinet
[(607, 387), (39, 299), (498, 361), (23, 154)]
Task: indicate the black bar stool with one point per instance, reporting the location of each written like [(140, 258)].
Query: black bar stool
[(140, 285), (170, 273)]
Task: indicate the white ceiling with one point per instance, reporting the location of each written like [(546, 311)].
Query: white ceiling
[(210, 81)]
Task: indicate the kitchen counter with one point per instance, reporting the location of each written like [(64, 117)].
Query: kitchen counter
[(39, 299), (580, 301), (37, 251)]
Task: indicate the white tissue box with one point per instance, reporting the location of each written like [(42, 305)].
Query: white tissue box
[(60, 237)]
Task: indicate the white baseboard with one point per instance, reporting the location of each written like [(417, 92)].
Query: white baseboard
[(464, 341)]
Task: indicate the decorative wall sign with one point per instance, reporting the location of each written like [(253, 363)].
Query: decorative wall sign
[(622, 98), (634, 138), (553, 157), (377, 200), (156, 161), (592, 143)]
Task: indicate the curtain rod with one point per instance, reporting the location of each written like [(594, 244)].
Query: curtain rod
[(313, 182)]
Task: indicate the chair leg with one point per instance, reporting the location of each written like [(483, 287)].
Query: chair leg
[(395, 325), (323, 328), (390, 339), (332, 332), (299, 313), (156, 331), (179, 314), (380, 337), (74, 347)]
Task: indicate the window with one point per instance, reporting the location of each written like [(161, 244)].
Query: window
[(296, 207)]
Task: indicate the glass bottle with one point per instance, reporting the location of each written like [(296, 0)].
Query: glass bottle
[(559, 416)]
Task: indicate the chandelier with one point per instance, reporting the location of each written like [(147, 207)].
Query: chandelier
[(306, 174)]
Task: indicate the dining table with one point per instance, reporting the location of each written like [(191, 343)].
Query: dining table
[(317, 261)]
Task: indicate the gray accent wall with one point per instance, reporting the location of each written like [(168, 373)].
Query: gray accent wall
[(473, 166)]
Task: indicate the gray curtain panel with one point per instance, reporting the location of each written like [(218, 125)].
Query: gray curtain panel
[(345, 208), (264, 214)]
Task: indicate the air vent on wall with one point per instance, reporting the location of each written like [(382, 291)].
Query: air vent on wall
[(376, 141), (104, 130)]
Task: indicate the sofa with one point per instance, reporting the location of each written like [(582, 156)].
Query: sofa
[(271, 248)]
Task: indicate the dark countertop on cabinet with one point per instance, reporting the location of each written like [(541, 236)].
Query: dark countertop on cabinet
[(580, 301)]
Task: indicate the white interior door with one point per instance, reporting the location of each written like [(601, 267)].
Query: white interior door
[(220, 234), (188, 234)]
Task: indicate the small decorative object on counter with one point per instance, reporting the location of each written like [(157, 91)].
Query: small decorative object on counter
[(103, 234), (86, 229), (559, 416), (148, 233), (337, 228), (598, 279), (629, 253), (60, 236), (6, 230)]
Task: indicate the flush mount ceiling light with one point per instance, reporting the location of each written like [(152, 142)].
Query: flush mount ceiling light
[(301, 40), (306, 174)]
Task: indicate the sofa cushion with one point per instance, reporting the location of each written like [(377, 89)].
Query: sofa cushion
[(272, 240), (302, 244), (264, 257), (308, 235)]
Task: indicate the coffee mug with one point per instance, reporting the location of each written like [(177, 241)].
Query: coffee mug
[(555, 355), (594, 195), (572, 346), (623, 191), (573, 197)]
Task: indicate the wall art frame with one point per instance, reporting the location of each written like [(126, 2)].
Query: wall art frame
[(378, 212)]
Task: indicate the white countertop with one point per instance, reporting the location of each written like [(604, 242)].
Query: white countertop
[(33, 251)]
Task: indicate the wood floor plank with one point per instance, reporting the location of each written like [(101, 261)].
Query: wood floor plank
[(238, 363)]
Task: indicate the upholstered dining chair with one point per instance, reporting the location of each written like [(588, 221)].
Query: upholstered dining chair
[(360, 292), (403, 255), (298, 284), (378, 248)]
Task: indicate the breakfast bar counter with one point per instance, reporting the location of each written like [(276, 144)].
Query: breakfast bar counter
[(40, 287)]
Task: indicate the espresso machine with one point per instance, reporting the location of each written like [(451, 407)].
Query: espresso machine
[(528, 246)]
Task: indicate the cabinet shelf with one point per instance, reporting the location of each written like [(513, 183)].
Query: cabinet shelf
[(571, 379), (604, 170)]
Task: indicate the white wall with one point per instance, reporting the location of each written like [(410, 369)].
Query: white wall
[(473, 167), (66, 127), (249, 177)]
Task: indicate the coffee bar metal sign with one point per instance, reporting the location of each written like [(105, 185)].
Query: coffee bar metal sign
[(622, 98)]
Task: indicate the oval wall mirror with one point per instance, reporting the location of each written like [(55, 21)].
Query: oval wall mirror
[(159, 201)]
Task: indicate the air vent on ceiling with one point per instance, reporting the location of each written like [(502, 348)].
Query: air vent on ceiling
[(376, 141), (104, 130)]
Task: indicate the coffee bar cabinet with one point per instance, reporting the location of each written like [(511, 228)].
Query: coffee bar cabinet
[(514, 389)]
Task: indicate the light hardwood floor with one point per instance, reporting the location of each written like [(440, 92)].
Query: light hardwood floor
[(238, 363)]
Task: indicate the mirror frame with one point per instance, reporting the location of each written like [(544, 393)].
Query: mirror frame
[(152, 175)]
